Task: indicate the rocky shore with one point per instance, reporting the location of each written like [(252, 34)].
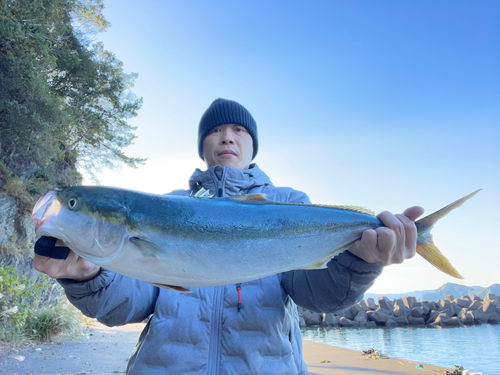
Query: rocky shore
[(450, 312)]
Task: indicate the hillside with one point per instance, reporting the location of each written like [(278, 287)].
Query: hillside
[(447, 289)]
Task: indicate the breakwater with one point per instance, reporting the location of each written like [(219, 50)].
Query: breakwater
[(407, 311)]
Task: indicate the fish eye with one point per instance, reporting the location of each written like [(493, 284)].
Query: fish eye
[(72, 203)]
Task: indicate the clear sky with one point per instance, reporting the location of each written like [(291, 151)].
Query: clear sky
[(382, 104)]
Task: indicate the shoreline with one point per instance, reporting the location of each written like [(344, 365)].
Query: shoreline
[(352, 362), (69, 356)]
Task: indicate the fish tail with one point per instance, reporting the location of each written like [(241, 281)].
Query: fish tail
[(425, 243)]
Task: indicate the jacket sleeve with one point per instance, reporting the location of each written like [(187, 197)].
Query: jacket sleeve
[(112, 298), (341, 284)]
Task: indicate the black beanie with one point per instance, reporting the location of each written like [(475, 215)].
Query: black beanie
[(223, 112)]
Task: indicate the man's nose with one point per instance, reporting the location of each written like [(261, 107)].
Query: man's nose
[(227, 138)]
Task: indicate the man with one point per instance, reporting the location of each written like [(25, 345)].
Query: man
[(248, 328)]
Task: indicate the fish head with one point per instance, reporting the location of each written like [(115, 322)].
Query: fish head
[(89, 220)]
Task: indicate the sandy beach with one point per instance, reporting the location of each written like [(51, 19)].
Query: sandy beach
[(104, 350)]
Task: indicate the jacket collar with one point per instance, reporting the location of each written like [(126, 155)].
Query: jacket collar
[(232, 181)]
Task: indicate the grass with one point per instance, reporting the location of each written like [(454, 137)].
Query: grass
[(48, 322)]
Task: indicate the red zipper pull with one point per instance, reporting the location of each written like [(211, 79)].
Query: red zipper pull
[(238, 288)]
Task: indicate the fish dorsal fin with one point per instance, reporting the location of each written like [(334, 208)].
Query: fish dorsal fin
[(351, 208), (257, 197), (175, 288)]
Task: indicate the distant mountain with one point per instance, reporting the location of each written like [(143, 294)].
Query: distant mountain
[(455, 290), (415, 294)]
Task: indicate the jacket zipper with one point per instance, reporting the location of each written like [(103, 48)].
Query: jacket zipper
[(215, 336)]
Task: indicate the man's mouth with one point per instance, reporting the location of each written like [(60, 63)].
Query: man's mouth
[(227, 152)]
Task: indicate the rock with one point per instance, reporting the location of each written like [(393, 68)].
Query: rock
[(302, 322), (401, 320), (416, 321), (455, 309), (307, 315), (370, 324), (451, 322), (355, 309), (489, 306), (432, 317), (462, 302), (401, 311), (361, 317), (345, 313), (371, 304), (442, 318), (344, 322), (331, 320), (417, 312), (467, 298), (476, 298), (444, 305), (427, 306), (494, 318), (316, 319), (364, 305), (379, 317), (466, 317), (449, 298), (475, 305), (479, 317), (385, 303), (491, 297), (410, 302), (391, 323)]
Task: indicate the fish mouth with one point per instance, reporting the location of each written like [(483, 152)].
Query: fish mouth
[(46, 207)]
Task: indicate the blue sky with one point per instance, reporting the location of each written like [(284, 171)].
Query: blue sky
[(383, 104)]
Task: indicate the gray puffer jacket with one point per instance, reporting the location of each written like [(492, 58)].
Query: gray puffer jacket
[(204, 332)]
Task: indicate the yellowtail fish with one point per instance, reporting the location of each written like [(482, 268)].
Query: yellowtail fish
[(178, 242)]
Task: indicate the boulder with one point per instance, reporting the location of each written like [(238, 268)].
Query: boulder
[(410, 302), (476, 298), (370, 324), (427, 306), (455, 309), (344, 322), (449, 298), (462, 302), (302, 322), (467, 298), (432, 317), (402, 311), (385, 303), (475, 305), (307, 315), (391, 323), (316, 318), (371, 304), (345, 313), (466, 317), (489, 306), (361, 317), (416, 321), (364, 305), (355, 309), (444, 305), (479, 317), (494, 318), (400, 320), (380, 318), (491, 297), (331, 320), (451, 322), (417, 312), (442, 318)]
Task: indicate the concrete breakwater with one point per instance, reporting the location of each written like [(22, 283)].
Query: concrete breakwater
[(450, 312)]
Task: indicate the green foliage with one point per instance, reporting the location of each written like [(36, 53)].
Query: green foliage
[(48, 322), (64, 101), (19, 297)]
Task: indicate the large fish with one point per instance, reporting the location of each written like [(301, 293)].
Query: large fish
[(178, 242)]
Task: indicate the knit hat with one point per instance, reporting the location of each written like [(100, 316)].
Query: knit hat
[(223, 112)]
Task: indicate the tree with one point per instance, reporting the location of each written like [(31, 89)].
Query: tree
[(64, 101)]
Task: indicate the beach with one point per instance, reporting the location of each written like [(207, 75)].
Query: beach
[(104, 350)]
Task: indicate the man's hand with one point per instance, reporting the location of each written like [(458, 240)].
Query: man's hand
[(391, 244), (73, 267)]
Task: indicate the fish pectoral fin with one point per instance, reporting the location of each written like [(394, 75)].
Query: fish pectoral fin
[(257, 197), (149, 249), (176, 288)]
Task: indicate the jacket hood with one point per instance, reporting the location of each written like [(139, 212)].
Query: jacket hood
[(233, 181)]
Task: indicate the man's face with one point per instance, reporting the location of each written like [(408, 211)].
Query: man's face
[(228, 145)]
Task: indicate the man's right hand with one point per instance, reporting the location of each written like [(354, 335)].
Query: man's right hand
[(73, 267)]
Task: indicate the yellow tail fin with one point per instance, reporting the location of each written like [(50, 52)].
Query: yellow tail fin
[(425, 244)]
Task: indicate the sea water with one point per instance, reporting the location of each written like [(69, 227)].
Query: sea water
[(476, 348)]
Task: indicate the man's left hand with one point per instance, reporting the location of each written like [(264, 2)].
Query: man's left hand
[(393, 243)]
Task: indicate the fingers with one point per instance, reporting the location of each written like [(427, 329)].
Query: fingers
[(73, 267)]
